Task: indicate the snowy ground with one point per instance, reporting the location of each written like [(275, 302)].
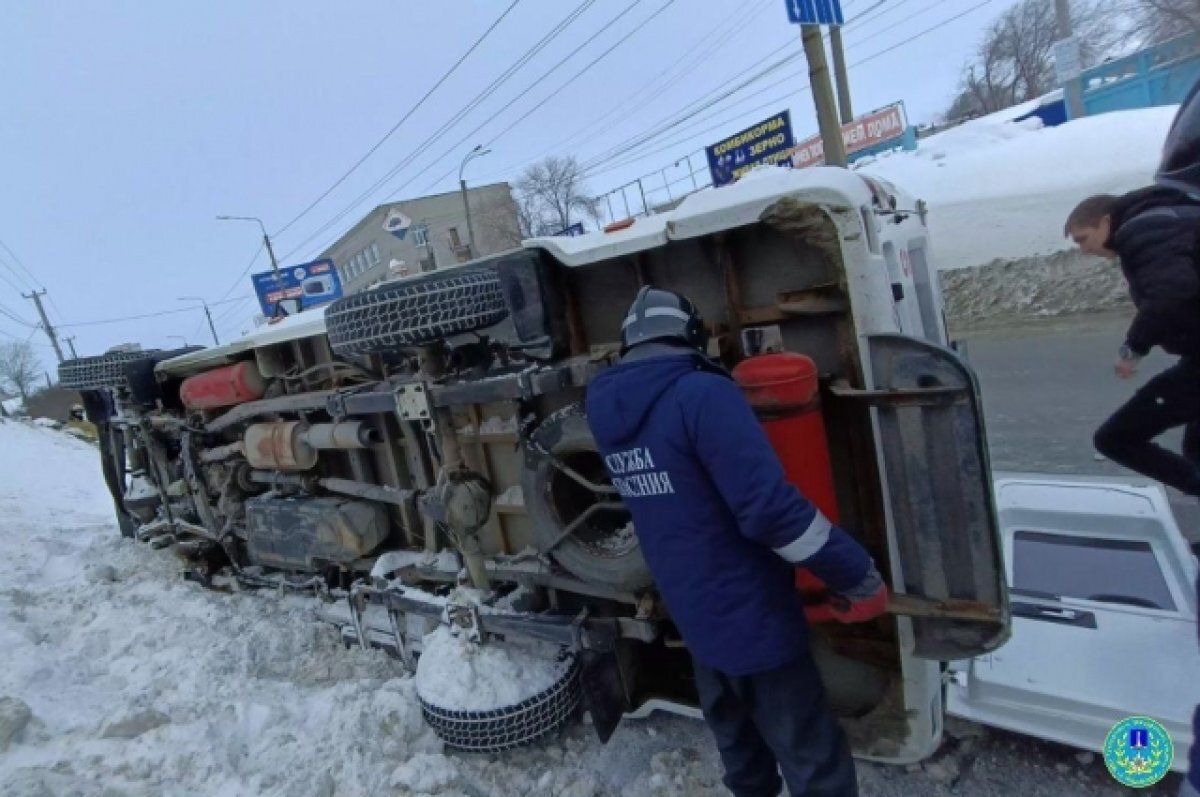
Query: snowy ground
[(1002, 189), (119, 679)]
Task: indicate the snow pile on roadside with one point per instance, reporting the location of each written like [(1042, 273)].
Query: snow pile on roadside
[(121, 678), (1002, 189), (1059, 284), (455, 673)]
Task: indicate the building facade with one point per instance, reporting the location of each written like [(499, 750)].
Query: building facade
[(424, 234)]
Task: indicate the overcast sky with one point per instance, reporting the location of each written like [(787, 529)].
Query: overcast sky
[(128, 126)]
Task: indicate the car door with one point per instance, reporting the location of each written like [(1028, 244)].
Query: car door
[(1104, 615)]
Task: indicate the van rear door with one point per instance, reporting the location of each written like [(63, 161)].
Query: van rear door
[(937, 483), (1104, 615)]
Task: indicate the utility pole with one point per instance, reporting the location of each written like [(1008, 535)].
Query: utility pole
[(266, 240), (1072, 88), (207, 313), (822, 89), (71, 343), (840, 74), (37, 300)]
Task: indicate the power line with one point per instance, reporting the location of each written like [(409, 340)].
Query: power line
[(609, 165), (245, 271), (720, 34), (791, 42), (470, 106), (18, 261), (548, 97), (143, 315), (403, 119), (709, 99), (4, 311)]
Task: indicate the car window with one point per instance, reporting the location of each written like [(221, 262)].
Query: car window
[(1110, 571)]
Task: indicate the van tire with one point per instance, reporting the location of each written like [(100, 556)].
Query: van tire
[(104, 371), (552, 500), (505, 728), (415, 312)]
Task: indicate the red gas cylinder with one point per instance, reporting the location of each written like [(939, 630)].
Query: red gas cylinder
[(223, 387), (784, 391)]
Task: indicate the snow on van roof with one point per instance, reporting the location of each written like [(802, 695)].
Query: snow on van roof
[(710, 211)]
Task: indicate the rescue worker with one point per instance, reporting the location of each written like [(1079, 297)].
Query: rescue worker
[(78, 420), (1154, 233), (722, 532)]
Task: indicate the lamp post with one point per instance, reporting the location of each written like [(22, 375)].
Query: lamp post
[(691, 171), (478, 152), (266, 239), (208, 314)]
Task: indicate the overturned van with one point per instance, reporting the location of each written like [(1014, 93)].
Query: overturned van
[(419, 453)]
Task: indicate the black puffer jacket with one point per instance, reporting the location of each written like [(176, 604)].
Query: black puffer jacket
[(1156, 231)]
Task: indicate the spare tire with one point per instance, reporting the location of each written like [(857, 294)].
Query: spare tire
[(415, 312), (505, 728), (104, 371), (603, 549)]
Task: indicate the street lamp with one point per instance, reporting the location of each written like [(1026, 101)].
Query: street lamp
[(204, 304), (180, 337), (266, 238), (691, 171), (478, 152)]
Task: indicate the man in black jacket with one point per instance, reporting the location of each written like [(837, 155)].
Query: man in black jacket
[(1155, 232)]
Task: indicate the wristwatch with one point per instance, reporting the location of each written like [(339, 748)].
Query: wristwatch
[(1127, 353)]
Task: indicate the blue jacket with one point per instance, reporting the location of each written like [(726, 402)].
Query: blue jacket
[(719, 526)]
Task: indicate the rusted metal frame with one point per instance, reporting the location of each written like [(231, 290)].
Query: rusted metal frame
[(599, 506), (576, 632), (823, 299), (904, 397), (577, 338), (365, 490), (483, 465), (316, 400), (640, 270), (194, 479), (733, 292), (950, 609)]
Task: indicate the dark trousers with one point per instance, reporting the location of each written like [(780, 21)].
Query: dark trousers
[(1168, 400), (776, 720)]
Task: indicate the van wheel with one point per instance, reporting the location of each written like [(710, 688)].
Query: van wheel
[(104, 371), (565, 482), (415, 312), (512, 726)]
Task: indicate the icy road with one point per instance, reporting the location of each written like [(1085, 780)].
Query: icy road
[(117, 678)]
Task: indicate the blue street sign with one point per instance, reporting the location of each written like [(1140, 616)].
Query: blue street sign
[(297, 288), (815, 12)]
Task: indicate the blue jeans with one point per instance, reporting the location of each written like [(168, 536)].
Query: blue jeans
[(777, 720)]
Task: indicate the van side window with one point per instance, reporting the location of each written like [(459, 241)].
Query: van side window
[(1122, 572)]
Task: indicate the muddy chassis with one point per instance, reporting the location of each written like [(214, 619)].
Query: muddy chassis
[(179, 481)]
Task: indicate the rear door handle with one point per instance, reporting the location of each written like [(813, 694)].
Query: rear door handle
[(1054, 614)]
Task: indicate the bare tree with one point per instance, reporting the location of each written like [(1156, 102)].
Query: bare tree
[(1015, 61), (18, 367), (1159, 20), (551, 195)]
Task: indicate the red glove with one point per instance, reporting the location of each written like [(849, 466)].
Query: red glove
[(865, 601)]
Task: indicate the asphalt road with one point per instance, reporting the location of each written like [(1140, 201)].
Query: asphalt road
[(1047, 385)]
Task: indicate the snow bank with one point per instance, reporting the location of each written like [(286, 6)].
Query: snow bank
[(454, 673), (137, 682), (1002, 189), (1060, 284)]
